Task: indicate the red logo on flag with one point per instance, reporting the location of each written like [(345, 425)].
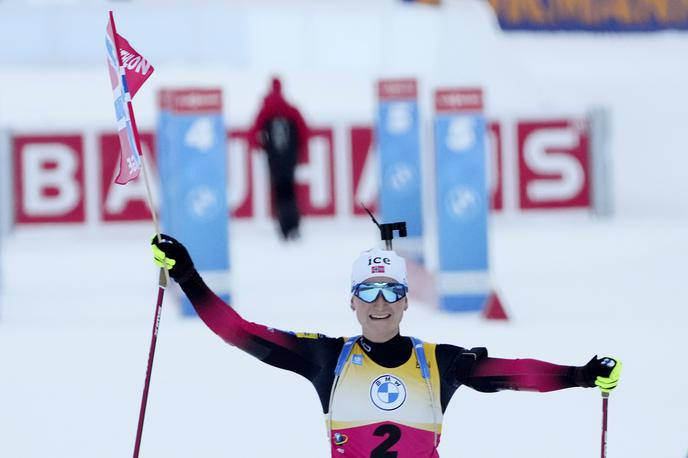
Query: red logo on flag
[(377, 269)]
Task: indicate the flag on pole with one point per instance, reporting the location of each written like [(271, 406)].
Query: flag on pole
[(128, 71)]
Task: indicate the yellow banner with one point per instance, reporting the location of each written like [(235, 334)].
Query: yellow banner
[(593, 15)]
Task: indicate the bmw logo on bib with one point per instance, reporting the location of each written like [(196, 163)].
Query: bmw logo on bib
[(388, 392)]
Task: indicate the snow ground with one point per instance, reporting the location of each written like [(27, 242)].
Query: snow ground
[(77, 308)]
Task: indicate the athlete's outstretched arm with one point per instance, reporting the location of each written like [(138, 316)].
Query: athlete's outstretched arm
[(494, 374), (475, 369), (224, 321), (277, 348)]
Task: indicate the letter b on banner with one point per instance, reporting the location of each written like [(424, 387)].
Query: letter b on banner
[(193, 173), (49, 179)]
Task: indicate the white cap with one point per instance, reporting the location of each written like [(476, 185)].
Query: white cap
[(378, 263)]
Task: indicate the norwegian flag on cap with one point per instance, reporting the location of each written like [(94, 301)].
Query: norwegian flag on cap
[(377, 269)]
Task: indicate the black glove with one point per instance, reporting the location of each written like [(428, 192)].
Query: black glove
[(172, 254), (601, 372)]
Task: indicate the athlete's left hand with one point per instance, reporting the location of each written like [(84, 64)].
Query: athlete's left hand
[(171, 254), (603, 373)]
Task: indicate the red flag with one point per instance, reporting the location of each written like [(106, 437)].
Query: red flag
[(123, 77), (136, 67)]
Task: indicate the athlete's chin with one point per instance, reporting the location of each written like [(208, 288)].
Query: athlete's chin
[(385, 324)]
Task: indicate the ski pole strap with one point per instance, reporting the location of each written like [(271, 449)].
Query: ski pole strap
[(344, 354), (425, 372), (420, 356)]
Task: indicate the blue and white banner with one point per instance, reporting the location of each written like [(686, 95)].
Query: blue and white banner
[(193, 174), (462, 200), (398, 143)]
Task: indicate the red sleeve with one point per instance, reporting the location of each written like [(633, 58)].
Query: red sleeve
[(494, 374), (311, 355), (224, 321), (278, 348)]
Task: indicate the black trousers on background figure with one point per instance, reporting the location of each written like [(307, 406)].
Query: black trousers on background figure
[(282, 164)]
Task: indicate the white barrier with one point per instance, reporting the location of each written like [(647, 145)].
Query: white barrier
[(6, 168)]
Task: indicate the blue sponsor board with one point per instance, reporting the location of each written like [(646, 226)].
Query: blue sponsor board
[(592, 15), (462, 200), (398, 144), (193, 175)]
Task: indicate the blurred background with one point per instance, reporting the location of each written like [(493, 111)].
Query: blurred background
[(597, 266)]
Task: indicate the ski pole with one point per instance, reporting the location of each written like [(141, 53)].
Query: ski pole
[(163, 280), (149, 368), (605, 407)]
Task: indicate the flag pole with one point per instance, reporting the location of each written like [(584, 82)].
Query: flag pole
[(163, 278)]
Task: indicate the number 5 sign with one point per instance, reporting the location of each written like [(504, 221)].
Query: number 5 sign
[(461, 199)]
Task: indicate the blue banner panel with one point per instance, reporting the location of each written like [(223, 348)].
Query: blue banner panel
[(592, 15), (398, 143), (462, 200), (193, 176)]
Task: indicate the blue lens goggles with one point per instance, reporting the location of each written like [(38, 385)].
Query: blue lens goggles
[(369, 291)]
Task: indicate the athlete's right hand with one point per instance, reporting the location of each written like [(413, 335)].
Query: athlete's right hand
[(603, 373), (170, 253)]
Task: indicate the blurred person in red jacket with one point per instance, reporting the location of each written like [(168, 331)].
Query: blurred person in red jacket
[(280, 130)]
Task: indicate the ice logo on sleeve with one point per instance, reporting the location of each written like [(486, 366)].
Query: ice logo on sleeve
[(388, 392)]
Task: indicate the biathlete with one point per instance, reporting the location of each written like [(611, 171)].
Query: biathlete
[(383, 394)]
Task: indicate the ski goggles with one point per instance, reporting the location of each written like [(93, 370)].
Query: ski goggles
[(369, 291)]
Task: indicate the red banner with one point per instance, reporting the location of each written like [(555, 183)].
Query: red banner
[(496, 164), (186, 101), (364, 170), (546, 167), (397, 89), (49, 179), (554, 167), (315, 175), (453, 100)]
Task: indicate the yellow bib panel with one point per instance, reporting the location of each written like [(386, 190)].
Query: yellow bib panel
[(376, 409)]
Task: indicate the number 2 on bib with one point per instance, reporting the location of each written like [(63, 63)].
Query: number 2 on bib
[(393, 434)]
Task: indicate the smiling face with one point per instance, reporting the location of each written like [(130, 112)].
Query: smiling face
[(379, 319)]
